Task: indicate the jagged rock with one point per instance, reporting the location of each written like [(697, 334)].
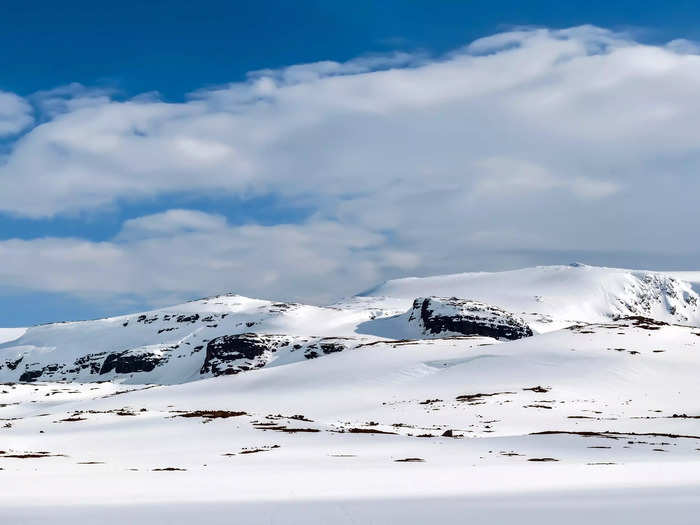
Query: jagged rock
[(653, 294), (438, 315), (12, 365)]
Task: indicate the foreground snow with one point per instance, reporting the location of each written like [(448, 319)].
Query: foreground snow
[(641, 506), (593, 422)]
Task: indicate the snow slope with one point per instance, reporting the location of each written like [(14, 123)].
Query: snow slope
[(589, 422), (556, 296), (170, 345), (11, 334), (231, 334)]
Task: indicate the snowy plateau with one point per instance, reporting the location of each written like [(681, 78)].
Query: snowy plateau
[(558, 394)]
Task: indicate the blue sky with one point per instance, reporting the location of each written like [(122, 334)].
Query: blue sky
[(175, 47), (152, 152)]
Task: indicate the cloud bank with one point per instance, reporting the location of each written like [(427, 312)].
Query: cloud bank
[(578, 139)]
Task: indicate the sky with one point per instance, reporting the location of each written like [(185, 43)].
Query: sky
[(155, 152)]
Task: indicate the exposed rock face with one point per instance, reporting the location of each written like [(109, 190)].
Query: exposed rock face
[(12, 365), (439, 315), (230, 354), (327, 345), (224, 355), (129, 362), (30, 376), (655, 295)]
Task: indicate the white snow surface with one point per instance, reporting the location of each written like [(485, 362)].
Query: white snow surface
[(561, 295), (11, 334), (595, 422)]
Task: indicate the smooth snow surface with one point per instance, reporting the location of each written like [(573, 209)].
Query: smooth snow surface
[(11, 334), (560, 295), (597, 422)]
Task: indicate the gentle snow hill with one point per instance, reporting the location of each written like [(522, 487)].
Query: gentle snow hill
[(181, 343), (11, 334), (556, 296)]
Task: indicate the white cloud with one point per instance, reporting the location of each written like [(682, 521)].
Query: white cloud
[(507, 177), (184, 253), (580, 139), (15, 114), (63, 99), (171, 222), (330, 129)]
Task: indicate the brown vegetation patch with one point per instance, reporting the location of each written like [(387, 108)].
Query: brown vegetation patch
[(369, 431), (255, 450), (71, 419), (282, 428), (29, 455), (538, 389), (612, 435), (646, 323), (468, 398), (213, 414)]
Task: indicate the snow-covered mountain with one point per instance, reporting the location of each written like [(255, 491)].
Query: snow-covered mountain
[(556, 296), (231, 334), (543, 395)]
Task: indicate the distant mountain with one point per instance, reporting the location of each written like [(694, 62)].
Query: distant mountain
[(556, 296), (231, 334)]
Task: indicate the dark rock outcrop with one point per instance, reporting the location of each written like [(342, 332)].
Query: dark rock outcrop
[(331, 348), (224, 352), (188, 318), (437, 315), (128, 362), (12, 365), (30, 376)]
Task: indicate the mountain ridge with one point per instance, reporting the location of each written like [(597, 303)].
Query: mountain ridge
[(230, 333)]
